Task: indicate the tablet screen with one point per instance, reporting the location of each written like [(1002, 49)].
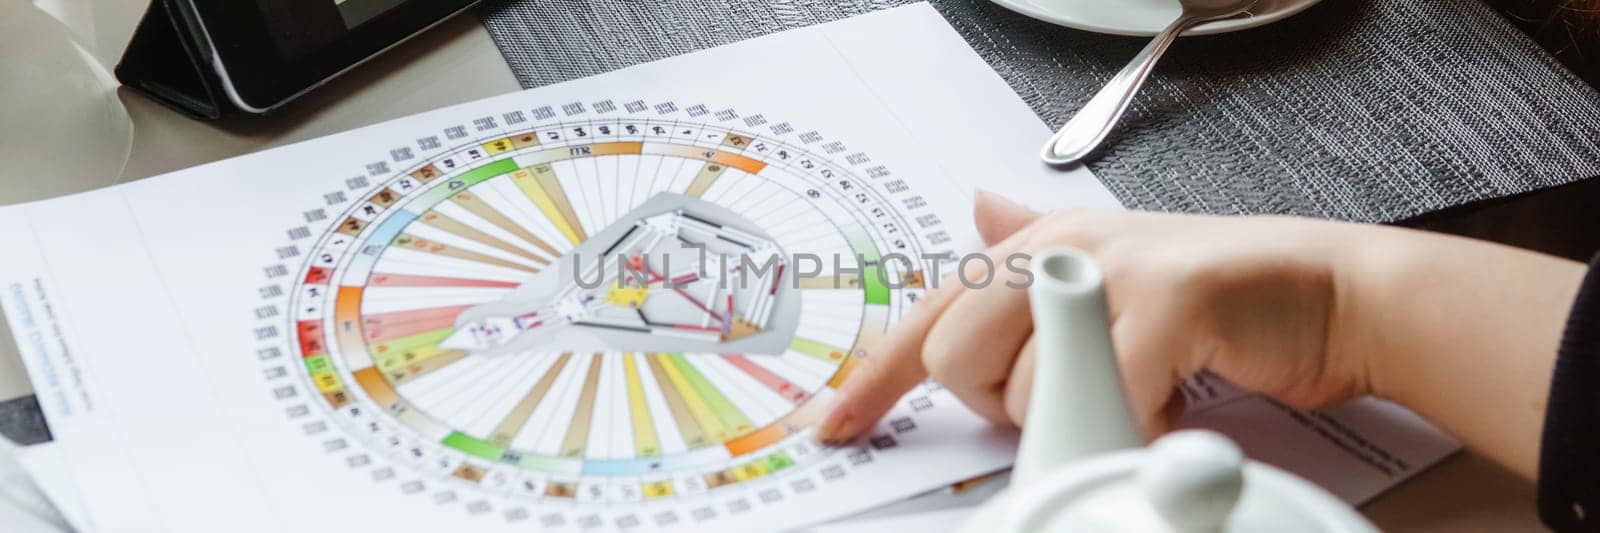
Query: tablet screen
[(356, 12), (273, 49), (301, 28)]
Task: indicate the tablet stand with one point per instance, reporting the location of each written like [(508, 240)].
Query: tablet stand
[(166, 61)]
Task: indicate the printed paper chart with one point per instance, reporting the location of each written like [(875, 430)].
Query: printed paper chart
[(609, 306)]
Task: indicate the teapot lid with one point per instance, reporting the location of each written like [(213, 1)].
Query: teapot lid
[(1190, 481)]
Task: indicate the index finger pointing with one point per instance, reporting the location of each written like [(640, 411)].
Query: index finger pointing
[(893, 367)]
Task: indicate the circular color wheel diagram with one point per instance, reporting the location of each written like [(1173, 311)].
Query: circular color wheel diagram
[(602, 311)]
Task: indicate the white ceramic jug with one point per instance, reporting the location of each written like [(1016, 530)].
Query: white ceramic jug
[(1081, 467)]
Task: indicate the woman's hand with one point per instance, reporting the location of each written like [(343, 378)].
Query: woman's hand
[(1310, 312)]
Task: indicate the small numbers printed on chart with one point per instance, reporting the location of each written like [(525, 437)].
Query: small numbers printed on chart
[(802, 486), (859, 456), (266, 332)]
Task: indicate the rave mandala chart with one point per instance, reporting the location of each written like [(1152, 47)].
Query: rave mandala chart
[(534, 318)]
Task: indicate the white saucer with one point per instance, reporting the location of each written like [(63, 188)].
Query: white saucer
[(1143, 17)]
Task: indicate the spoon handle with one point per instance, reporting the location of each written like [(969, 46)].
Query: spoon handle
[(1094, 120)]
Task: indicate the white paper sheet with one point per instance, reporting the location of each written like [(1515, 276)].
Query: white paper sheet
[(143, 310), (24, 508), (255, 344)]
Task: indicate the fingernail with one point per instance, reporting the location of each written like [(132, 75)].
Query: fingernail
[(832, 429)]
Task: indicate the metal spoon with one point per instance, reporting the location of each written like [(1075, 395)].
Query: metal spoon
[(1094, 121)]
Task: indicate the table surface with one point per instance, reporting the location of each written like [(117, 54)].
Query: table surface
[(1464, 493)]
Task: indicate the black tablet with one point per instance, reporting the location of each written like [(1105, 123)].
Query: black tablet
[(267, 52)]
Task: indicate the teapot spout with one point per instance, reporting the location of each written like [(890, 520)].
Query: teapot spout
[(1077, 408)]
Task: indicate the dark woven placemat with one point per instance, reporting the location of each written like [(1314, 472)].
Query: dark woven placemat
[(1370, 110)]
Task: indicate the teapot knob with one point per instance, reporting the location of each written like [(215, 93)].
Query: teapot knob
[(1193, 479)]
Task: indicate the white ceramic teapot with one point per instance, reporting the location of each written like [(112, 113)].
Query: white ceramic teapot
[(1081, 467)]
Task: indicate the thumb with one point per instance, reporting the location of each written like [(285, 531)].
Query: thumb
[(998, 217)]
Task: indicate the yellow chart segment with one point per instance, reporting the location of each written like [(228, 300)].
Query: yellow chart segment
[(644, 430), (699, 407), (689, 424), (541, 186)]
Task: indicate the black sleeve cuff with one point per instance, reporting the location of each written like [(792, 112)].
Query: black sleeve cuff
[(1569, 457)]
